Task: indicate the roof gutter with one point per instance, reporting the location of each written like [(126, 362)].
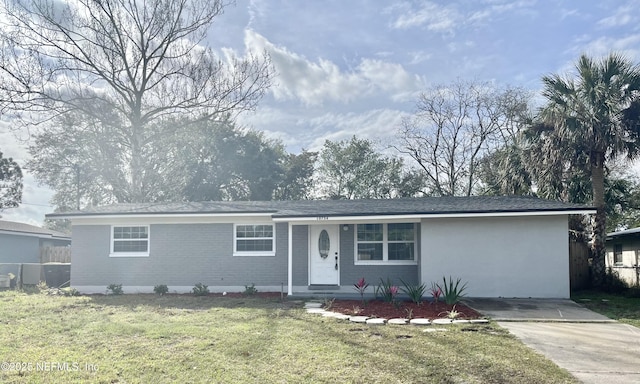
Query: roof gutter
[(419, 216)]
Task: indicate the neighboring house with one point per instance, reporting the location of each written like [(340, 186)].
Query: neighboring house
[(21, 243), (499, 246), (623, 254)]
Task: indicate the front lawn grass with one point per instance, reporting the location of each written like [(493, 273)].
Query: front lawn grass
[(618, 307), (187, 339)]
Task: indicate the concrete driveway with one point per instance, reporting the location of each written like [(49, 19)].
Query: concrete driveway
[(590, 346)]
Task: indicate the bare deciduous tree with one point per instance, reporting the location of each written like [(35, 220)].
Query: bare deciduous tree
[(126, 67), (454, 127)]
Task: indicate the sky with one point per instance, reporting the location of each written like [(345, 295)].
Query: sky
[(356, 67)]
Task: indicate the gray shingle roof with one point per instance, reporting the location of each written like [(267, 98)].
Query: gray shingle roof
[(313, 208), (22, 228), (626, 233)]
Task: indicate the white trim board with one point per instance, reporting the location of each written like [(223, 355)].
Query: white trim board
[(309, 220)]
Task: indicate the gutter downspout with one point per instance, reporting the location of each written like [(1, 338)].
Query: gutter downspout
[(290, 260)]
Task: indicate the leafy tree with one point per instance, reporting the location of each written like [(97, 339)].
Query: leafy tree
[(591, 118), (297, 177), (354, 170), (505, 172), (10, 183), (86, 164), (126, 71), (226, 163), (455, 127)]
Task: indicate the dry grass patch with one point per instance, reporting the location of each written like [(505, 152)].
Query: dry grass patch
[(165, 339)]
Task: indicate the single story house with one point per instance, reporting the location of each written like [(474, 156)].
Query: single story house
[(21, 243), (623, 254), (499, 246)]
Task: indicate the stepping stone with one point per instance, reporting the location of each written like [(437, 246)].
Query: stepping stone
[(316, 310), (479, 321), (398, 321), (461, 321), (442, 321), (336, 315), (358, 319), (376, 321), (434, 330), (312, 304), (420, 322)]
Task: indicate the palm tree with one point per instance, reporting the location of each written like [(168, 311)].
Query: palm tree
[(594, 116)]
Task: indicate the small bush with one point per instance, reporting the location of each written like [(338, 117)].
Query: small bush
[(200, 289), (250, 290), (161, 289), (114, 289), (436, 292), (415, 292), (452, 292), (386, 290)]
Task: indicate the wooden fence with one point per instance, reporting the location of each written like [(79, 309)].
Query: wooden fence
[(579, 254), (55, 255)]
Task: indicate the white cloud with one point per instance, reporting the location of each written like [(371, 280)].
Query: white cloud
[(623, 15), (320, 81), (628, 45), (433, 17), (377, 125), (418, 57)]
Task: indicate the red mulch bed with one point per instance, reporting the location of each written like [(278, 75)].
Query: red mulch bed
[(404, 309)]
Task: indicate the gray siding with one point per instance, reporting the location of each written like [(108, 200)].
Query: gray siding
[(300, 255), (351, 273), (179, 255), (19, 249)]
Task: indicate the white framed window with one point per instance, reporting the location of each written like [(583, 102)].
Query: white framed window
[(254, 240), (129, 241), (617, 255), (392, 243)]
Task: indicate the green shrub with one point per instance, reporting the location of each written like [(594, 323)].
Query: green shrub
[(161, 289), (250, 290), (452, 292), (200, 289), (415, 292), (114, 289), (386, 290)]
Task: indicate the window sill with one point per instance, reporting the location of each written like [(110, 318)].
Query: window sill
[(125, 254), (254, 254), (386, 263)]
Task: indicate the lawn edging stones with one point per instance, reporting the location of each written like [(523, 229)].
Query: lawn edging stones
[(316, 308)]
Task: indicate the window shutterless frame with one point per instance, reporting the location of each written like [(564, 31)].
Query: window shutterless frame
[(380, 244), (258, 239), (130, 241)]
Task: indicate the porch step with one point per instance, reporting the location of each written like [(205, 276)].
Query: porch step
[(322, 287)]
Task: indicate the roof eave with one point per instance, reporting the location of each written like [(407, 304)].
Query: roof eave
[(426, 215), (119, 215)]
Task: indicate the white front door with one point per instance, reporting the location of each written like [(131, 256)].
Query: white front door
[(324, 258)]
